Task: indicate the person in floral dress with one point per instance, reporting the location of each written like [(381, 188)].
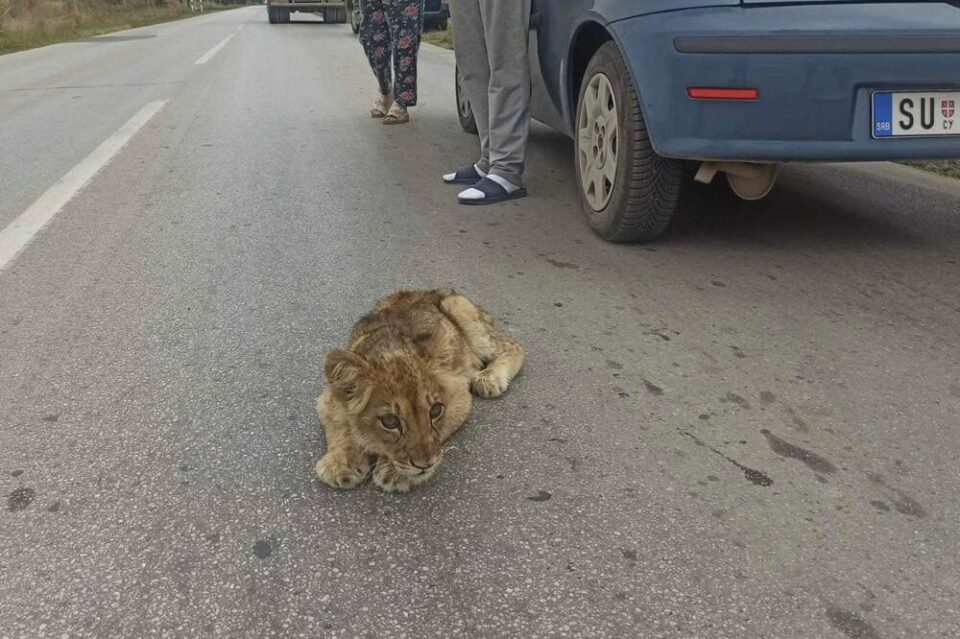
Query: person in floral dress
[(390, 35)]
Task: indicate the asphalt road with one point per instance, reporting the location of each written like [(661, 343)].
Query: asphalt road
[(747, 429)]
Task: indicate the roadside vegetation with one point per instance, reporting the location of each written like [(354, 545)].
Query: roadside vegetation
[(25, 24), (948, 168), (435, 36)]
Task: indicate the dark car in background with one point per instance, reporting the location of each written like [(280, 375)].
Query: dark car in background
[(436, 14), (648, 88)]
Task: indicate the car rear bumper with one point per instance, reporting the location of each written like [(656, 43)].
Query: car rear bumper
[(815, 79), (437, 15)]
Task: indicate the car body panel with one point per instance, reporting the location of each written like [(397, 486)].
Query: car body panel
[(556, 24), (545, 98), (435, 12), (613, 10), (815, 76), (761, 2)]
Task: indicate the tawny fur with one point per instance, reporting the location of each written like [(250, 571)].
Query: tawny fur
[(416, 350)]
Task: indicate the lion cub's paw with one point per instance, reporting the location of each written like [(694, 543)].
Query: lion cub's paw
[(489, 384), (389, 478), (334, 471)]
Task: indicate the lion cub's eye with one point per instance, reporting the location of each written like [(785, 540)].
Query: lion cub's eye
[(390, 421), (436, 411)]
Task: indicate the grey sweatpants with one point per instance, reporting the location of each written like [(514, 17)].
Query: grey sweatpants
[(491, 39)]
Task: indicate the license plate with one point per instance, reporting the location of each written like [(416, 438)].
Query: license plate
[(916, 113)]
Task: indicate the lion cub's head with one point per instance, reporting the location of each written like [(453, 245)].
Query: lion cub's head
[(394, 404)]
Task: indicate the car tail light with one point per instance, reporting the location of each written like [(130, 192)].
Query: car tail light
[(714, 93)]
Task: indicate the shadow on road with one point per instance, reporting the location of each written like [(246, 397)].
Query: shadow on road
[(799, 212), (822, 204)]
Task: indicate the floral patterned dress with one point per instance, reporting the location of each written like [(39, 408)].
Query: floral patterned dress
[(390, 32)]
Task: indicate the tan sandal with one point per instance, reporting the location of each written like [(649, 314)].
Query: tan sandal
[(397, 115), (381, 106)]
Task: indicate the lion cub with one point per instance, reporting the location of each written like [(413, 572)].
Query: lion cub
[(403, 387)]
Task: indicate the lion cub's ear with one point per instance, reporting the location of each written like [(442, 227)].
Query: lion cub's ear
[(345, 372)]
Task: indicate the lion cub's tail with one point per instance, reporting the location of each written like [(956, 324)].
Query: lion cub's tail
[(501, 356)]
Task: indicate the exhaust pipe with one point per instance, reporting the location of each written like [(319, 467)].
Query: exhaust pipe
[(748, 180)]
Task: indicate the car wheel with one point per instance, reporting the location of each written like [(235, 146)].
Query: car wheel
[(334, 15), (629, 193), (464, 110), (443, 25), (285, 16), (273, 15)]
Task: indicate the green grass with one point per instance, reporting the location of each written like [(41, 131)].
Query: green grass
[(950, 168), (440, 38), (39, 28)]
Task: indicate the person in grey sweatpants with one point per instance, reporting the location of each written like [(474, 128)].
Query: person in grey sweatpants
[(491, 38)]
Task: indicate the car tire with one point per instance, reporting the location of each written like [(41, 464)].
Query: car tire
[(464, 111), (335, 15), (273, 15), (285, 16), (629, 193), (443, 24)]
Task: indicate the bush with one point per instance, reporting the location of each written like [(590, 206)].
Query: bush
[(33, 23)]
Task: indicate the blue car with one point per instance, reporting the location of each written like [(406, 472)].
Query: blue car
[(648, 87)]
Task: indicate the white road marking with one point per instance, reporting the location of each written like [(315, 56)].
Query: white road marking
[(240, 27), (215, 50), (25, 226)]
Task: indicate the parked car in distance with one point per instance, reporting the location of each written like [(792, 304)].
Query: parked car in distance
[(436, 14), (734, 87)]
